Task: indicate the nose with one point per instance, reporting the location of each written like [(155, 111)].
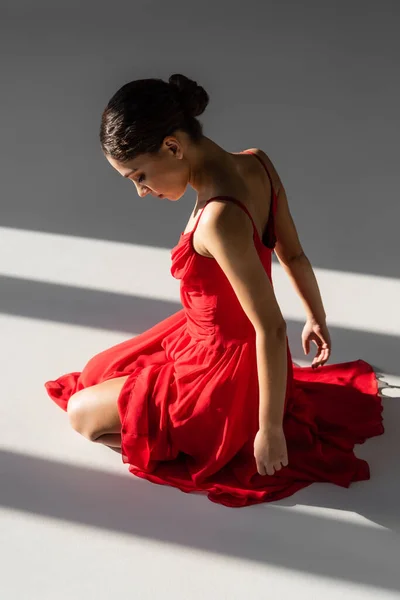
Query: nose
[(141, 191)]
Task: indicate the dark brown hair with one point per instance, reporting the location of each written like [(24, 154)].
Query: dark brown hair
[(143, 112)]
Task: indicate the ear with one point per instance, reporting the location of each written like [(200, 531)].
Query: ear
[(174, 147)]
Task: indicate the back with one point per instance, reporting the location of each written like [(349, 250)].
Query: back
[(250, 183), (288, 246), (255, 182)]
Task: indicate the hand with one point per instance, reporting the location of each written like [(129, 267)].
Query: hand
[(319, 334), (270, 450)]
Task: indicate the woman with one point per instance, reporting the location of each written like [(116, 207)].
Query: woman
[(209, 399)]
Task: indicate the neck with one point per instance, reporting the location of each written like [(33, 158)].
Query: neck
[(207, 160)]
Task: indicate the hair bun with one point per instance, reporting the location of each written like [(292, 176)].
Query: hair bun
[(193, 97)]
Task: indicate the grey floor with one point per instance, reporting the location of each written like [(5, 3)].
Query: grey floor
[(74, 523)]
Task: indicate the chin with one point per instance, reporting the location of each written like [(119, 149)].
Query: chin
[(175, 197)]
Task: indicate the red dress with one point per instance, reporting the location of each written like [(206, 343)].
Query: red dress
[(189, 408)]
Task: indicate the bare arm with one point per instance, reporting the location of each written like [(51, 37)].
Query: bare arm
[(302, 277), (290, 253), (228, 237)]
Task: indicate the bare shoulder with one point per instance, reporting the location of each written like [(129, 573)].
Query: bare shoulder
[(229, 240), (226, 217), (223, 219), (276, 180)]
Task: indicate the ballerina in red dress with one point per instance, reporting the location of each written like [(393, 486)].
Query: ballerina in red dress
[(209, 398)]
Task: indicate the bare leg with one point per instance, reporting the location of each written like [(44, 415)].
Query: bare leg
[(112, 440), (93, 412)]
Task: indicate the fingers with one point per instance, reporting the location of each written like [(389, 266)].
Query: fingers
[(319, 337), (271, 469), (322, 356), (323, 353), (260, 468)]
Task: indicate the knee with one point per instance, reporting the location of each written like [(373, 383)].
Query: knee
[(79, 414)]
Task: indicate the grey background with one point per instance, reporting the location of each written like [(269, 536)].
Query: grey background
[(315, 84)]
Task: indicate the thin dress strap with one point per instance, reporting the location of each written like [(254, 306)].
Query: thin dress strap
[(269, 235)]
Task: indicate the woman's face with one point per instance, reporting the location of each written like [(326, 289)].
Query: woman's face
[(163, 175)]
